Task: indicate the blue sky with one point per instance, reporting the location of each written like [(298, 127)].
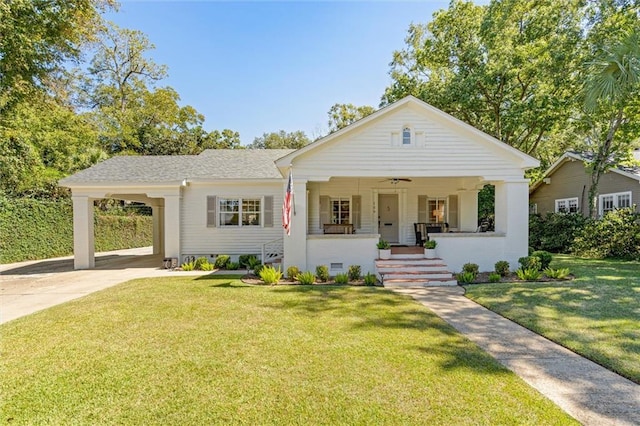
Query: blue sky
[(258, 67)]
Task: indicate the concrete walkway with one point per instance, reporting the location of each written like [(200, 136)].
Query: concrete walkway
[(28, 287), (588, 392)]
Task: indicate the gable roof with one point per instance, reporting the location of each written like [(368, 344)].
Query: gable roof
[(527, 161), (627, 171), (211, 164)]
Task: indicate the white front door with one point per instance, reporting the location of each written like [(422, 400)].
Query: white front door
[(388, 217)]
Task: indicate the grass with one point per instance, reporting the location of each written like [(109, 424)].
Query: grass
[(596, 315), (216, 351)]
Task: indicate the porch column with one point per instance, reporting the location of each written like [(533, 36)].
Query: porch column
[(512, 217), (158, 225), (83, 238), (295, 244), (468, 209), (172, 226)]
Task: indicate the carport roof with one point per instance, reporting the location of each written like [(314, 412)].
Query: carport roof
[(212, 164)]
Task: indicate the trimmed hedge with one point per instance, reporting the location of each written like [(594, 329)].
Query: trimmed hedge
[(33, 229)]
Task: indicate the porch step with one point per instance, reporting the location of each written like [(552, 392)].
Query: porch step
[(407, 270), (416, 275), (413, 283)]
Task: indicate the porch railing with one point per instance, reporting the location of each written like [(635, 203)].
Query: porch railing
[(272, 250)]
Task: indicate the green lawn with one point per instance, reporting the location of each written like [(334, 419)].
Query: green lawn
[(215, 351), (596, 315)]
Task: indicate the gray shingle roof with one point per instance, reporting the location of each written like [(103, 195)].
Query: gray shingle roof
[(589, 156), (211, 164)]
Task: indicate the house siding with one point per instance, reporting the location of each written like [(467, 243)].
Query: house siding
[(571, 180), (199, 239)]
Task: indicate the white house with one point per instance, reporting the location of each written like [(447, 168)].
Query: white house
[(406, 163)]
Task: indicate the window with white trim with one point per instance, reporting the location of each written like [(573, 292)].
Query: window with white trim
[(609, 202), (340, 210), (533, 208), (240, 211), (406, 136), (437, 210), (567, 205)]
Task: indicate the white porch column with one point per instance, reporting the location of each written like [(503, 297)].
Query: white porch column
[(512, 217), (158, 225), (295, 245), (83, 238), (172, 226), (468, 208)]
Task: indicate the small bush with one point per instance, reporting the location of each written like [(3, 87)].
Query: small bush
[(221, 261), (188, 266), (248, 261), (502, 268), (233, 266), (530, 262), (494, 277), (257, 269), (466, 277), (354, 272), (370, 279), (270, 275), (342, 278), (557, 274), (201, 261), (529, 274), (306, 278), (471, 267), (292, 272), (206, 267), (545, 258), (322, 271)]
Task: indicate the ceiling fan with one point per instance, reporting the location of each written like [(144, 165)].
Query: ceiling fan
[(394, 181)]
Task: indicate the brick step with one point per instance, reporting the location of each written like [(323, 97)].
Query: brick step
[(411, 275), (407, 256), (385, 269), (409, 262), (413, 283)]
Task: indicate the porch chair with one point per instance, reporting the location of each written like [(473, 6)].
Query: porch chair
[(421, 233)]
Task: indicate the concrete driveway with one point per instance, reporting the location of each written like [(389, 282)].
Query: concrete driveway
[(28, 287)]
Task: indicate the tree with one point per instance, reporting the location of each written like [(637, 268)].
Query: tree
[(509, 69), (341, 115), (280, 140), (612, 104), (38, 37)]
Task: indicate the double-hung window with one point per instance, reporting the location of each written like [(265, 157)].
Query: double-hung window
[(567, 205), (436, 210), (609, 202), (239, 211), (340, 210)]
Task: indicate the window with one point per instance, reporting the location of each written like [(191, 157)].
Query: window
[(239, 211), (533, 208), (436, 210), (406, 136), (608, 202), (567, 205), (340, 210)]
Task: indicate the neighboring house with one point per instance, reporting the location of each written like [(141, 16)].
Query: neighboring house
[(565, 187), (408, 162)]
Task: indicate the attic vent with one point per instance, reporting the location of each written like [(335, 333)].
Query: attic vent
[(336, 266)]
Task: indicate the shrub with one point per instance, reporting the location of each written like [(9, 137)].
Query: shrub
[(471, 267), (466, 277), (557, 274), (292, 273), (530, 262), (206, 267), (248, 261), (188, 266), (342, 278), (383, 245), (528, 274), (221, 261), (233, 266), (545, 258), (354, 272), (322, 271), (370, 279), (494, 277), (555, 232), (502, 268), (201, 261), (257, 269), (270, 275), (306, 278), (616, 235)]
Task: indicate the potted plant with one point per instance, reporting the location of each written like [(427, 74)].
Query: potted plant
[(430, 249), (384, 249)]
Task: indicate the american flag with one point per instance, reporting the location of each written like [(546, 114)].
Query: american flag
[(286, 206)]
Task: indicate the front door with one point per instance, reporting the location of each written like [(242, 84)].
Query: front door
[(388, 217)]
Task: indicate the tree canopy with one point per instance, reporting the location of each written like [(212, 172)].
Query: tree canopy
[(280, 140)]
